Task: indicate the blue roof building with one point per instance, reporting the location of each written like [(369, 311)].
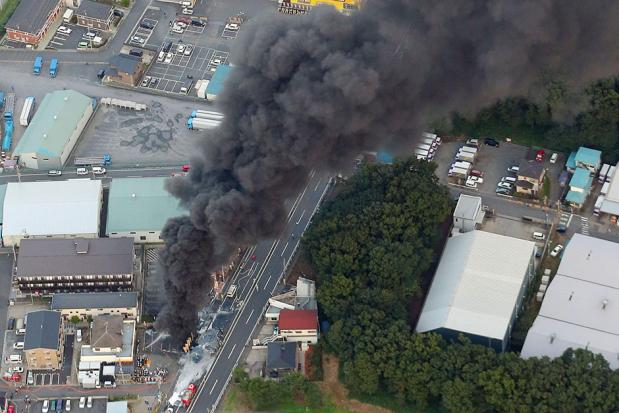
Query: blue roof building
[(588, 158), (571, 162), (580, 186), (216, 85), (384, 157)]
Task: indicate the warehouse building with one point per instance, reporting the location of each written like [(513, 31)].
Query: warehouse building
[(216, 85), (610, 205), (47, 266), (580, 309), (46, 209), (139, 208), (32, 20), (94, 15), (91, 304), (478, 288), (54, 130)]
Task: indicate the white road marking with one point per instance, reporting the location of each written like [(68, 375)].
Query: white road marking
[(214, 384), (301, 217), (231, 351), (250, 314), (317, 185), (284, 250)]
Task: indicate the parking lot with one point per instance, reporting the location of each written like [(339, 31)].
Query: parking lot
[(184, 70), (141, 36), (98, 405)]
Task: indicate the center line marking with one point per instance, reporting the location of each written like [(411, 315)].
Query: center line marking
[(231, 351), (215, 384), (250, 314), (284, 250)]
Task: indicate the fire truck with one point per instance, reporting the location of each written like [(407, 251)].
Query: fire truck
[(187, 394)]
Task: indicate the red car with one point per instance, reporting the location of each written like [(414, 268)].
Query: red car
[(183, 19), (11, 408), (475, 172), (539, 156), (185, 168)]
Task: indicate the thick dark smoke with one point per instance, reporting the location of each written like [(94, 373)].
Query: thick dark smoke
[(312, 91)]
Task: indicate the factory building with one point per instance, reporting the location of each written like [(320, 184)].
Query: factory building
[(139, 208), (54, 130), (47, 209), (216, 85)]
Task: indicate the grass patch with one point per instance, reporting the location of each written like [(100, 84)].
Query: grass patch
[(6, 12), (389, 402)]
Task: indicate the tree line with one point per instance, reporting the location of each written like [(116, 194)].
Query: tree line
[(370, 247)]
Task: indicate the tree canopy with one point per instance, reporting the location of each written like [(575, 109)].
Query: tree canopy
[(370, 247)]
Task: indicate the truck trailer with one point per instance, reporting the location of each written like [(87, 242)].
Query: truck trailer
[(465, 156), (207, 114), (469, 149), (27, 111), (9, 108), (104, 160), (603, 172), (53, 67), (202, 124), (611, 173), (38, 64)]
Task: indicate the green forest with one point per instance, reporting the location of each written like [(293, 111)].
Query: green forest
[(561, 118), (371, 246)]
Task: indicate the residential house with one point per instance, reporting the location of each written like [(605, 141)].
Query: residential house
[(469, 213), (580, 187), (32, 20), (44, 341), (94, 15), (95, 304), (112, 340), (281, 358), (530, 177), (126, 69), (299, 325)]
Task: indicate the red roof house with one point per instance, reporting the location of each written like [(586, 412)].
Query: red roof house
[(298, 320)]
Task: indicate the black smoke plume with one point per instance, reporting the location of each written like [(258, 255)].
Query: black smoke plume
[(312, 91)]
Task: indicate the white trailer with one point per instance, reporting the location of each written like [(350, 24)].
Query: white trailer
[(465, 156), (425, 147), (605, 188), (462, 164), (429, 135), (27, 110), (611, 173), (427, 141), (202, 124), (469, 149), (460, 172), (598, 205), (603, 172), (207, 114), (421, 152)]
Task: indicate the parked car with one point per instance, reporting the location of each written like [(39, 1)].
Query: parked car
[(11, 323), (188, 50), (82, 45), (557, 250), (504, 185), (18, 345), (180, 48), (167, 47), (137, 39), (136, 52), (188, 11), (539, 155), (561, 228), (154, 81), (119, 13), (54, 172), (64, 29), (177, 29), (491, 142), (81, 171), (82, 403), (471, 184), (98, 170), (89, 402), (11, 408), (90, 35), (475, 172), (502, 191), (232, 26), (145, 81), (183, 19), (513, 169), (147, 25), (198, 23), (554, 157), (101, 74), (185, 168), (18, 369), (67, 405), (168, 58), (472, 142), (45, 408)]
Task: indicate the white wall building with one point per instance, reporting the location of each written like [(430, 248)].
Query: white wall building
[(478, 288), (51, 209), (468, 214), (581, 306)]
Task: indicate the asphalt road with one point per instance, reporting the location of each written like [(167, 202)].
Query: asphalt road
[(256, 287)]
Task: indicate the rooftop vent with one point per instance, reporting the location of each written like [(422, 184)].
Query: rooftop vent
[(81, 246), (552, 337), (66, 98), (604, 304), (132, 195)]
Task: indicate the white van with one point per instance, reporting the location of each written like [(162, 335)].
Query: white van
[(78, 335), (19, 345), (231, 291), (510, 179), (539, 236), (21, 332), (98, 170), (15, 358)]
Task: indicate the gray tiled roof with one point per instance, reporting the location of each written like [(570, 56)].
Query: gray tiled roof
[(77, 256), (30, 15), (125, 63), (42, 330), (282, 355), (93, 9), (65, 301)]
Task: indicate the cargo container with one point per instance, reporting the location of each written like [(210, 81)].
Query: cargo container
[(202, 124), (27, 111), (598, 205), (611, 173), (469, 149), (605, 188)]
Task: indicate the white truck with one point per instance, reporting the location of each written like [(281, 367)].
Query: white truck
[(201, 92), (611, 173), (603, 172), (605, 188), (465, 156), (421, 153), (425, 147), (459, 172), (598, 205), (67, 16), (469, 149), (462, 164), (27, 110)]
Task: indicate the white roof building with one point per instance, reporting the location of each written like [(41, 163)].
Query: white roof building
[(610, 205), (581, 307), (51, 209), (478, 287), (468, 213)]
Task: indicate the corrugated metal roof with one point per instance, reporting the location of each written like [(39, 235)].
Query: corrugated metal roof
[(140, 204), (588, 156), (476, 285), (52, 208), (613, 190), (581, 306), (53, 123), (581, 179), (66, 301), (576, 197), (216, 84)]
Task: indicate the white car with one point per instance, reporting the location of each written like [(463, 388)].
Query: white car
[(89, 402), (67, 405), (161, 56), (216, 62), (82, 402), (45, 407), (54, 172), (65, 30), (182, 25), (188, 50), (180, 49), (477, 179), (145, 81), (18, 369), (168, 58), (98, 170), (505, 185), (188, 11), (557, 250), (177, 29), (513, 169), (93, 34), (232, 26), (554, 157), (471, 184), (137, 39), (81, 171)]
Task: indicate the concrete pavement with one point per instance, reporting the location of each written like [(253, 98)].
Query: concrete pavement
[(256, 287)]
